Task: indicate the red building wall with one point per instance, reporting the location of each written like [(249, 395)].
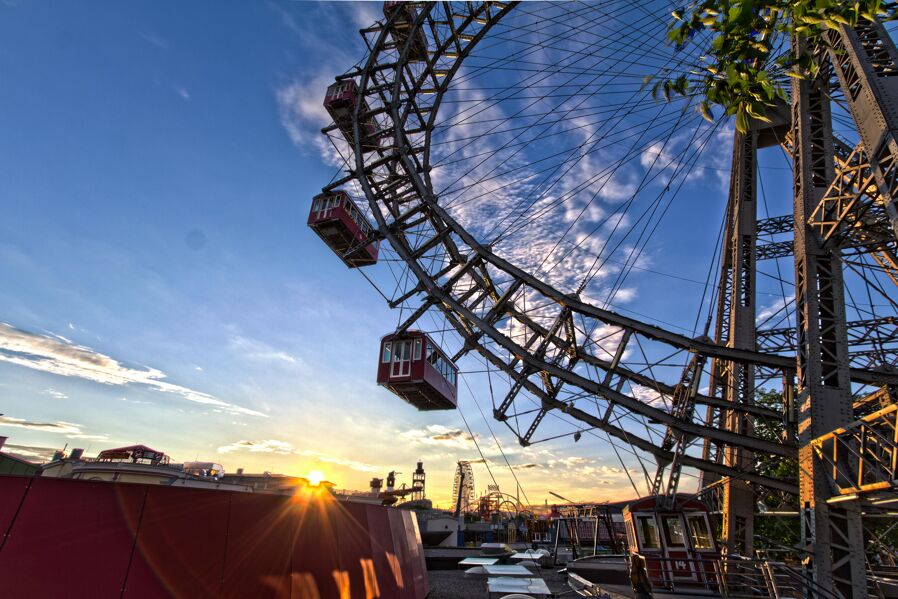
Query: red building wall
[(83, 539)]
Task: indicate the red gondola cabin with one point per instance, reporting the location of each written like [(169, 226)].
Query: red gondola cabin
[(340, 102), (400, 17), (413, 367), (678, 544), (343, 227)]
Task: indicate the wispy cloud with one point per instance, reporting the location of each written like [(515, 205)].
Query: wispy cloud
[(54, 355), (278, 447), (70, 429), (263, 446), (525, 466), (777, 311), (56, 394), (259, 350), (300, 99), (29, 452), (436, 434), (302, 114), (59, 426), (182, 91), (154, 40)]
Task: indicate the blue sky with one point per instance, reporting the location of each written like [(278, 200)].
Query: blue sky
[(158, 284)]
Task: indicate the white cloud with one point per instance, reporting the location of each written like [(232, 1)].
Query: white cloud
[(258, 350), (278, 447), (436, 434), (51, 354), (649, 396), (301, 109), (60, 426), (69, 429), (351, 464), (30, 453), (777, 308), (365, 14), (181, 91), (56, 394), (264, 446), (155, 40)]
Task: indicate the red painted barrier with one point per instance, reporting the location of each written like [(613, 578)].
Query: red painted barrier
[(12, 490), (180, 544), (73, 539), (416, 564), (386, 560), (259, 547)]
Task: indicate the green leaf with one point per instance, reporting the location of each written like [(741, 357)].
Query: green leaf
[(705, 110), (741, 121)]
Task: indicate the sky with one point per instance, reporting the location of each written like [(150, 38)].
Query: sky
[(158, 283)]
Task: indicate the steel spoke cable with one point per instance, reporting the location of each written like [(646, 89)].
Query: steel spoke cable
[(577, 107), (448, 188), (544, 94), (636, 251), (496, 441), (595, 269), (604, 173), (611, 175), (619, 214), (517, 56)]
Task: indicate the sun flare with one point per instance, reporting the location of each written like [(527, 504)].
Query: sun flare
[(315, 477)]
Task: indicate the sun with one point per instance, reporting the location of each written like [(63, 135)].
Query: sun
[(315, 477)]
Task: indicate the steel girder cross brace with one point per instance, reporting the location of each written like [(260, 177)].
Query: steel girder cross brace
[(865, 60)]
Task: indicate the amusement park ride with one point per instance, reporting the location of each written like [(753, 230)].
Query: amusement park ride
[(687, 403), (393, 494)]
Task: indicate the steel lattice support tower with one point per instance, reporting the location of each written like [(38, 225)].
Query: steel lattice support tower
[(738, 499), (833, 534)]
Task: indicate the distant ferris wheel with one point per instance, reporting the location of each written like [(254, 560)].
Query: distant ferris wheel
[(463, 488)]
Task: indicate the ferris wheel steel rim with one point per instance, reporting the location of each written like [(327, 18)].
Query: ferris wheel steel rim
[(473, 328), (426, 195), (451, 309)]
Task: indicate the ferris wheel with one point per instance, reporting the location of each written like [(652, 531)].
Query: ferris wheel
[(506, 171), (463, 487)]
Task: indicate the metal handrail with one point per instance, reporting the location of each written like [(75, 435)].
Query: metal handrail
[(736, 576)]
